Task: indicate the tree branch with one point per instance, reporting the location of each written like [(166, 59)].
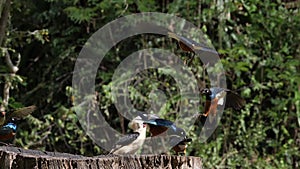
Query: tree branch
[(12, 68)]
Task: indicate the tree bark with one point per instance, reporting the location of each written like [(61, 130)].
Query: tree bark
[(18, 158), (5, 7)]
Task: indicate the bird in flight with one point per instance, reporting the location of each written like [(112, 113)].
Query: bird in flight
[(16, 114), (219, 96), (190, 45)]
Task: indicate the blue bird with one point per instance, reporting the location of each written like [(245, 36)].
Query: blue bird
[(219, 96), (8, 132), (162, 126)]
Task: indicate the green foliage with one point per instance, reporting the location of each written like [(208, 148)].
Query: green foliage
[(79, 15), (259, 46)]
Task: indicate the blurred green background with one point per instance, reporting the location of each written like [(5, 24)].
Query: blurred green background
[(259, 43)]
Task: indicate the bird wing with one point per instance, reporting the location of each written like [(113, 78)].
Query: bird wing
[(126, 140), (181, 141), (178, 136), (174, 130), (157, 130), (179, 144), (159, 126), (189, 44), (234, 100), (22, 112), (220, 97), (159, 122)]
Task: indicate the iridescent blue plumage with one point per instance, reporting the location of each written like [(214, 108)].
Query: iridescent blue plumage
[(161, 122), (11, 126), (8, 132), (215, 91)]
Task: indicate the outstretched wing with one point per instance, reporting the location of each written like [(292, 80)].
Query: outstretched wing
[(190, 45), (184, 43), (234, 100), (22, 112)]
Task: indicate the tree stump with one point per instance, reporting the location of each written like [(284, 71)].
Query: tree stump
[(18, 158)]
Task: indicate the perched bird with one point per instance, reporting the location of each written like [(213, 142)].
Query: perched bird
[(136, 122), (180, 148), (216, 96), (131, 143), (8, 132), (177, 135), (16, 114)]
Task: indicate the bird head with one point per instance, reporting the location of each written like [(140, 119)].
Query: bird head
[(137, 124), (206, 92), (187, 139), (141, 127)]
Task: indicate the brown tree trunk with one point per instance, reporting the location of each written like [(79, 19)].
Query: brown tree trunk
[(4, 14), (17, 158)]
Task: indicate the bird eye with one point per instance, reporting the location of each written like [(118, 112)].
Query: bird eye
[(205, 91)]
